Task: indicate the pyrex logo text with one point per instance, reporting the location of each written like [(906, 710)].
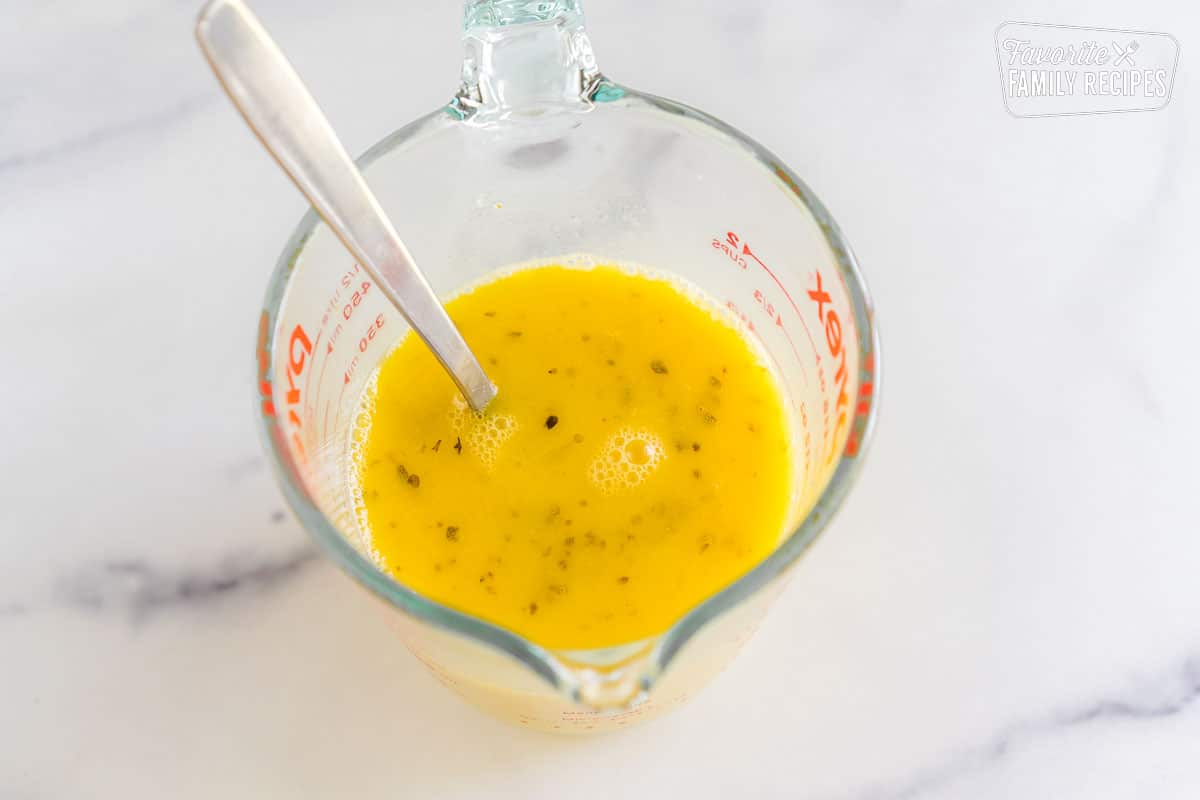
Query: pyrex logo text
[(833, 339)]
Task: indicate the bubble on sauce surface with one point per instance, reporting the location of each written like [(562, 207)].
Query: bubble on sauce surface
[(483, 435), (625, 460)]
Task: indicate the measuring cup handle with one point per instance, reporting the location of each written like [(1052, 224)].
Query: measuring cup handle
[(522, 60)]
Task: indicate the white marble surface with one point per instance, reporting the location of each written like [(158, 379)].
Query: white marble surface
[(1009, 607)]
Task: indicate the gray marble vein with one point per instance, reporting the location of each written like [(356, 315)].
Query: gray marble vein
[(13, 609), (1175, 692), (88, 140), (139, 589), (243, 468)]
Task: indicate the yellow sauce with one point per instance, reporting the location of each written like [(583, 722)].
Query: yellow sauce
[(635, 461)]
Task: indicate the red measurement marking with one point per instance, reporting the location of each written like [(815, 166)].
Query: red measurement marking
[(790, 182), (308, 380), (369, 336), (355, 300), (729, 248), (321, 377), (734, 240), (866, 396), (264, 366), (332, 308), (337, 409), (363, 343), (769, 307), (737, 312), (807, 442)]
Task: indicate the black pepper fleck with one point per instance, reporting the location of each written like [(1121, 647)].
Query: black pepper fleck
[(658, 367), (551, 421), (414, 480), (452, 533)]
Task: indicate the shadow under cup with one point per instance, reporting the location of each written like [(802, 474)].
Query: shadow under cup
[(637, 180)]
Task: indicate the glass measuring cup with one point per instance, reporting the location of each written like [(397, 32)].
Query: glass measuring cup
[(540, 157)]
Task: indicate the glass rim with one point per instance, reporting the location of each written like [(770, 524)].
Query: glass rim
[(543, 661)]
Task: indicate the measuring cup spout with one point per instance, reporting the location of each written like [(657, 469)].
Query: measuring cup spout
[(612, 679), (524, 60)]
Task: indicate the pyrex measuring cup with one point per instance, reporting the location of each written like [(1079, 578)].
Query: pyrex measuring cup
[(539, 156)]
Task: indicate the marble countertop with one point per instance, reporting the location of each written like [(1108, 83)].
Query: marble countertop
[(1008, 607)]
